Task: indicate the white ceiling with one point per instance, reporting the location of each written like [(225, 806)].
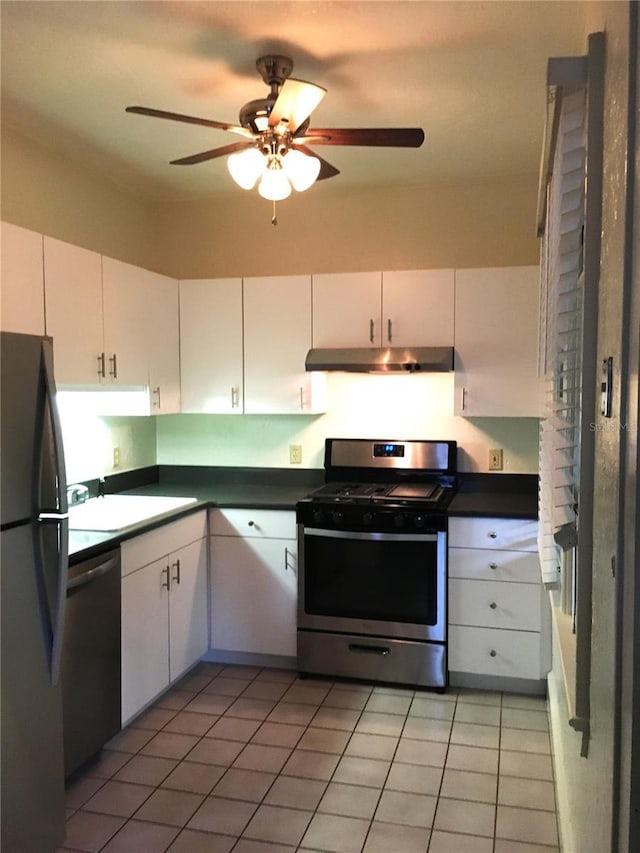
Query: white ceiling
[(471, 74)]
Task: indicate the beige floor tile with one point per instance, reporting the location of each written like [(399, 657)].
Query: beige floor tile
[(212, 750), (130, 740), (425, 728), (389, 703), (188, 723), (451, 842), (536, 827), (284, 676), (522, 740), (465, 817), (234, 728), (194, 683), (504, 846), (386, 837), (522, 718), (479, 697), (472, 758), (406, 809), (146, 770), (222, 686), (118, 798), (174, 700), (293, 713), (167, 806), (430, 752), (138, 835), (278, 734), (223, 816), (527, 793), (270, 759), (237, 670), (80, 790), (306, 694), (193, 841), (336, 718), (437, 709), (209, 703), (414, 778), (106, 764), (278, 825), (375, 723), (464, 785), (371, 746), (361, 771), (471, 734), (250, 785), (153, 718), (526, 765), (335, 834), (90, 832), (311, 765), (296, 793), (265, 690), (324, 740), (194, 777), (250, 845), (531, 703), (347, 697), (170, 745), (251, 709), (349, 800), (486, 715)]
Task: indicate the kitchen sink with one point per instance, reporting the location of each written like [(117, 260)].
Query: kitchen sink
[(115, 512)]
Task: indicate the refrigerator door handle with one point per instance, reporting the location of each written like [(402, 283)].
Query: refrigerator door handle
[(56, 428)]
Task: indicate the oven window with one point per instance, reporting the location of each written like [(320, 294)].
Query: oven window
[(388, 581)]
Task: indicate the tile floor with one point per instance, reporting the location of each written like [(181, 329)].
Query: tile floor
[(258, 761)]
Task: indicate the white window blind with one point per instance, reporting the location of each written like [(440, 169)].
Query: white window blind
[(561, 340)]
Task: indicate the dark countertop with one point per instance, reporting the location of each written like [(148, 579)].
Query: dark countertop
[(486, 495)]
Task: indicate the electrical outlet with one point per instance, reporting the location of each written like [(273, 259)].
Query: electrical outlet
[(495, 459), (116, 457), (295, 454)]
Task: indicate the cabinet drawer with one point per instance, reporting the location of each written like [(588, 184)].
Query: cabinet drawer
[(485, 564), (494, 604), (260, 523), (163, 540), (516, 534), (487, 651)]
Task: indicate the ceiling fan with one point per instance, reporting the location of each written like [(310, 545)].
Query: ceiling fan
[(276, 134)]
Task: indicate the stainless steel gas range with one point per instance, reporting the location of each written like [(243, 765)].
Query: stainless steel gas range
[(372, 562)]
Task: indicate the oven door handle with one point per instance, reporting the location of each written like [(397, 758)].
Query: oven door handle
[(371, 537)]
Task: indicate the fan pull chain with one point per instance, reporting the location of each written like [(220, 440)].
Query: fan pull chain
[(274, 218)]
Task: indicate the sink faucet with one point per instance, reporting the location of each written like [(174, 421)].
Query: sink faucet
[(101, 487), (77, 494)]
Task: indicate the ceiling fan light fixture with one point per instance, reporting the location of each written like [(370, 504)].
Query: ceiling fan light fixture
[(245, 167), (301, 169), (274, 185)]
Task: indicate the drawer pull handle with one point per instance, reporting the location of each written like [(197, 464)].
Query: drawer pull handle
[(165, 574), (492, 653), (361, 649), (252, 524), (493, 566), (493, 534), (493, 605)]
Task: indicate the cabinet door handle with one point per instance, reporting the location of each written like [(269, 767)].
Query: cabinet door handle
[(156, 397), (493, 566), (101, 367), (176, 566), (301, 397), (492, 653), (371, 330), (234, 397), (463, 398), (114, 365), (253, 524), (492, 534), (165, 582), (493, 605), (389, 335)]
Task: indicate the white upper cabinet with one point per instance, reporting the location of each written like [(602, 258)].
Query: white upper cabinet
[(496, 342), (73, 298), (347, 309), (372, 309), (277, 337), (22, 285), (211, 345), (163, 342), (417, 308)]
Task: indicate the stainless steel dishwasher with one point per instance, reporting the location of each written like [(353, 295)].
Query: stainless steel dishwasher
[(91, 658)]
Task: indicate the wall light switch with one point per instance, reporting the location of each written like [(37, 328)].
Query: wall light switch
[(116, 457), (495, 459), (295, 454)]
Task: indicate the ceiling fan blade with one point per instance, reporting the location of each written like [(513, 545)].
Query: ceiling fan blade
[(212, 154), (326, 169), (296, 101), (394, 137), (204, 122)]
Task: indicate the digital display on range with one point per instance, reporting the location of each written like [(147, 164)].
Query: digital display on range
[(388, 450)]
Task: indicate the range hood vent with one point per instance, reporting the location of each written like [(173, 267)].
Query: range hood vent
[(382, 359)]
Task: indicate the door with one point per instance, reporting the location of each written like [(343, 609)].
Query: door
[(417, 308), (347, 310)]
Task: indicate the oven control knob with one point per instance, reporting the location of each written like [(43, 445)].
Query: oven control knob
[(318, 516), (367, 518), (337, 517), (399, 521), (418, 520)]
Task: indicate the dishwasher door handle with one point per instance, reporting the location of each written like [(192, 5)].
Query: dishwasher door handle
[(92, 574)]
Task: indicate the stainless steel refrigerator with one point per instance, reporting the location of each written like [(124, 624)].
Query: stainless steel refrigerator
[(33, 577)]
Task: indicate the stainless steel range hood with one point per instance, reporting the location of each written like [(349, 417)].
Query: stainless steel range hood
[(382, 359)]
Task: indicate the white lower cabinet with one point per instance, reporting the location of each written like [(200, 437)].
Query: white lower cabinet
[(498, 610), (253, 581), (164, 608)]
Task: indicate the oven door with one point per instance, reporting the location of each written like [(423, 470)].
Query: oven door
[(380, 584)]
